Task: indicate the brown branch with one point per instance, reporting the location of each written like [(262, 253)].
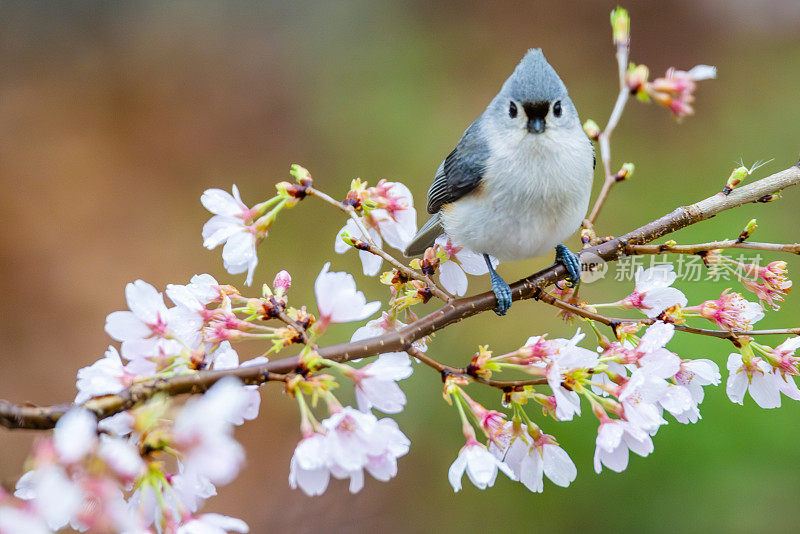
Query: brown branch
[(604, 139), (792, 248), (372, 248), (613, 322), (16, 416), (436, 291), (463, 373)]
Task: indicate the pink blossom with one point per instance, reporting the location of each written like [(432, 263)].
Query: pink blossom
[(21, 521), (282, 282), (614, 439), (458, 263), (532, 458), (395, 217), (308, 468), (213, 524), (689, 382), (757, 377), (75, 435), (653, 292), (480, 465), (730, 311), (150, 328), (202, 432), (568, 359), (376, 383), (394, 220), (229, 226), (338, 299), (107, 376), (676, 89), (356, 441), (371, 263)]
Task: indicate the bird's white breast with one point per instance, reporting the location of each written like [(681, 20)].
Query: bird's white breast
[(533, 195)]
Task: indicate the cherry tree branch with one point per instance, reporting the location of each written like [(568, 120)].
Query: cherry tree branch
[(604, 139), (699, 248), (35, 417), (368, 246), (613, 322)]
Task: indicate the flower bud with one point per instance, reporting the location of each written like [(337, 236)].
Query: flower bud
[(282, 282), (592, 129), (625, 172), (737, 175), (748, 231), (636, 79), (621, 26), (301, 175), (770, 198)]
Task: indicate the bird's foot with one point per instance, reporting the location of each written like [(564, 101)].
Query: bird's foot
[(569, 260), (501, 289), (503, 293)]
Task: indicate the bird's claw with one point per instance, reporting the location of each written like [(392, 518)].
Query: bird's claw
[(569, 260), (502, 292)]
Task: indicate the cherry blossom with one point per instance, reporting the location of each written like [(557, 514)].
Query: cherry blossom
[(614, 439), (756, 376), (338, 299), (532, 458), (731, 311), (376, 383), (107, 376), (356, 441), (480, 465), (21, 521), (213, 524), (202, 432), (229, 226), (75, 435), (692, 376), (568, 359), (394, 220), (55, 497), (308, 469), (459, 263), (653, 292), (371, 263), (395, 216), (149, 328)]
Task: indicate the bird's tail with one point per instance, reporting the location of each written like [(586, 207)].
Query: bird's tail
[(425, 237)]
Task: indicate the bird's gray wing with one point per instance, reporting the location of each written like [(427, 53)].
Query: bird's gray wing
[(461, 171)]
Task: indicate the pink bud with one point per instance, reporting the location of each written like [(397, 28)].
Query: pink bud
[(283, 281)]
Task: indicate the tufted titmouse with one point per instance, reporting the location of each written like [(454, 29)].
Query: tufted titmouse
[(519, 180)]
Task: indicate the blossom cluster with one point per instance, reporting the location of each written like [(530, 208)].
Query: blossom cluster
[(111, 476)]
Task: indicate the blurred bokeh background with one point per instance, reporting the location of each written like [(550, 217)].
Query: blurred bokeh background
[(115, 116)]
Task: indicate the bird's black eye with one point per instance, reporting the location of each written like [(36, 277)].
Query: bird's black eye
[(557, 109), (512, 110)]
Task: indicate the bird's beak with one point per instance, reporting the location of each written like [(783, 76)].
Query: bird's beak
[(536, 125)]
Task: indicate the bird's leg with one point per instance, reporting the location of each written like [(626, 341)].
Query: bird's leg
[(569, 260), (501, 289)]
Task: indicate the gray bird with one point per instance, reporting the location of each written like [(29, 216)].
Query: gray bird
[(519, 180)]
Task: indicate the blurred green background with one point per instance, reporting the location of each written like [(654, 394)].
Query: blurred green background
[(115, 116)]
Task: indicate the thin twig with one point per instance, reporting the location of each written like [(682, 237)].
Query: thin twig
[(349, 210), (792, 248), (19, 416), (371, 247), (604, 139), (462, 372), (408, 272), (613, 322)]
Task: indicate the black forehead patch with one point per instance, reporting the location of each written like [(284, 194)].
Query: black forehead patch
[(537, 109)]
